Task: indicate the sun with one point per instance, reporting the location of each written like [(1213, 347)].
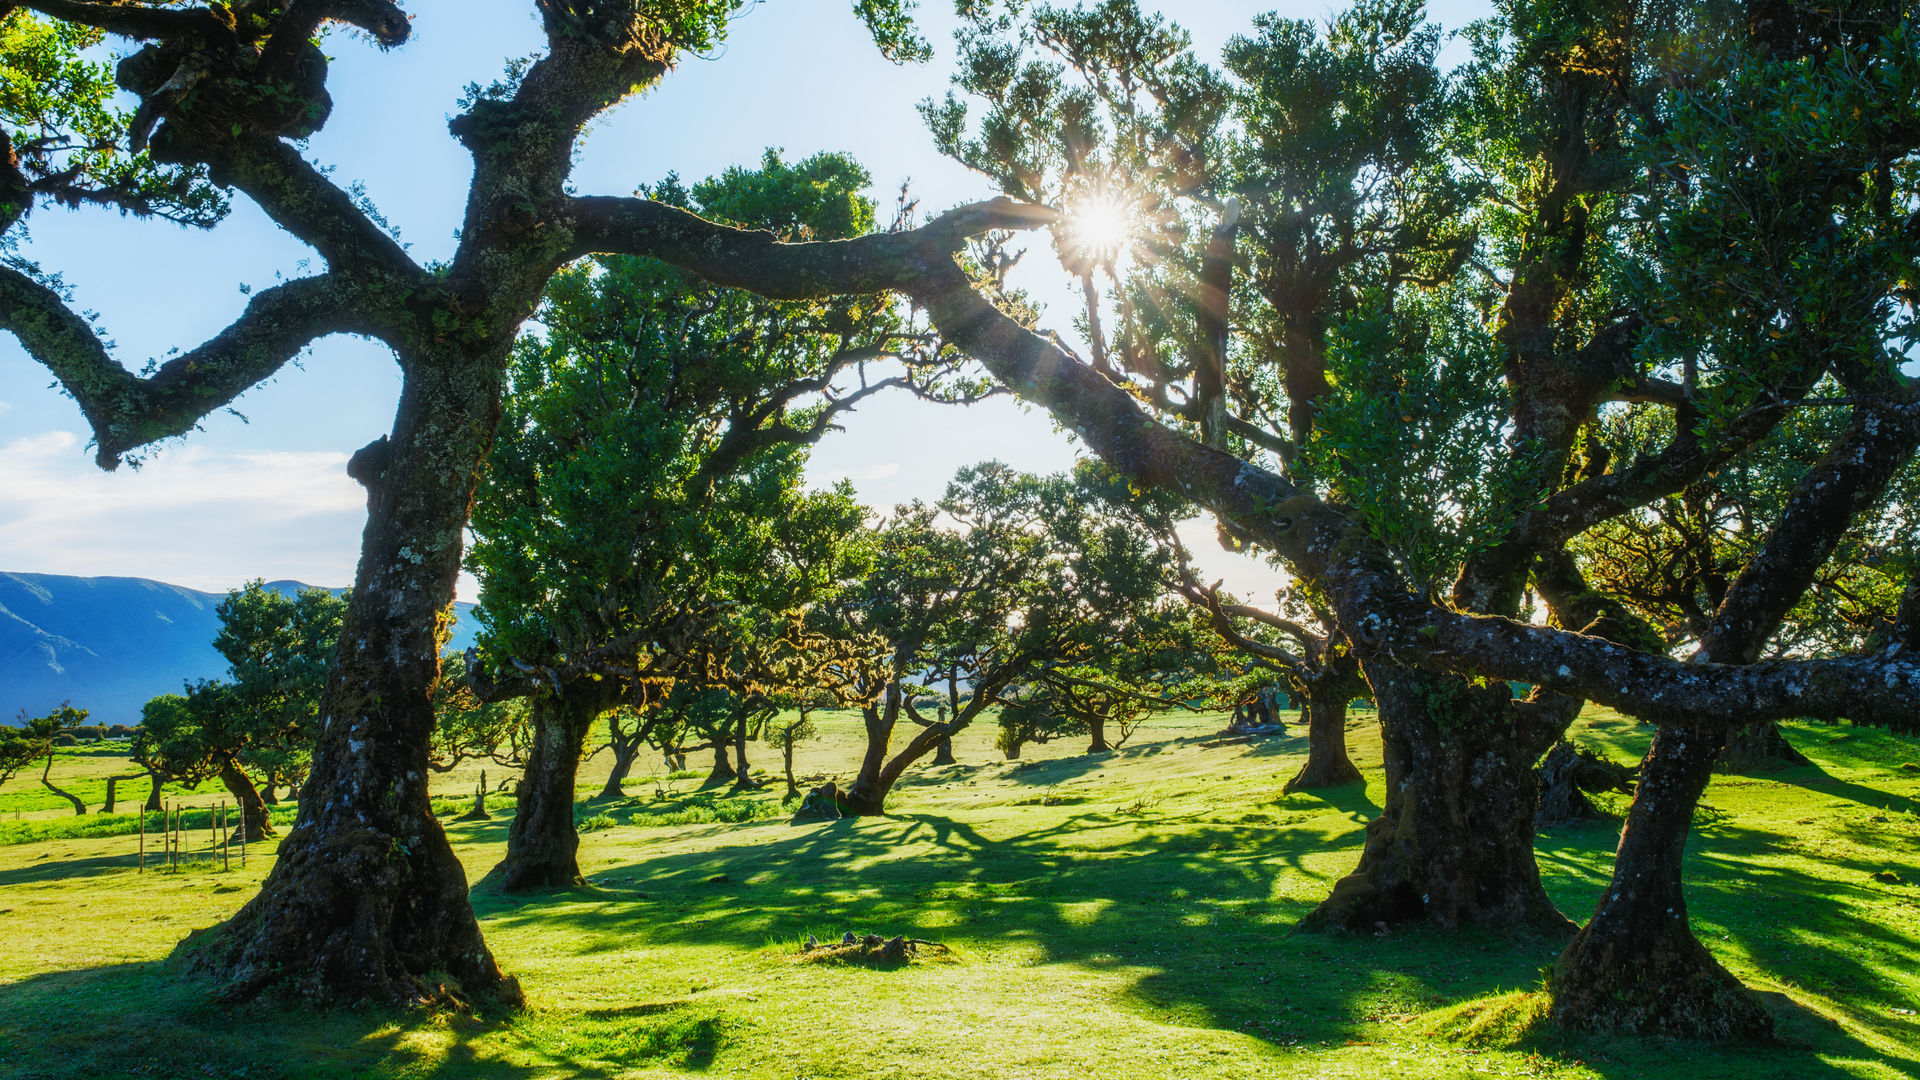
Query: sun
[(1096, 230)]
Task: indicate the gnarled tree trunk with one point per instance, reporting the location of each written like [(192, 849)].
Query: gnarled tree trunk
[(542, 842), (1327, 694), (366, 901), (743, 776), (1453, 844), (1097, 727), (626, 749), (723, 772), (254, 823), (1636, 966), (154, 805), (45, 781), (113, 783), (867, 796)]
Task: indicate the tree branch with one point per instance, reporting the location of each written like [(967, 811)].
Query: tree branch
[(127, 411)]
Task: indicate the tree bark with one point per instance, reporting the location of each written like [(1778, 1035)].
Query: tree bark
[(542, 842), (1325, 709), (1637, 967), (943, 752), (743, 777), (366, 901), (113, 783), (723, 771), (154, 805), (867, 796), (1097, 727), (1759, 748), (626, 748), (1453, 845), (255, 825), (266, 793), (786, 754), (78, 806)]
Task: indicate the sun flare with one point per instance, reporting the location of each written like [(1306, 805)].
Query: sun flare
[(1098, 229)]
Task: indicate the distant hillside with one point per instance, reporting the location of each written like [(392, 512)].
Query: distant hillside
[(109, 644)]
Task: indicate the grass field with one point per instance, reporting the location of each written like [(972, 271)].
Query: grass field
[(1124, 915)]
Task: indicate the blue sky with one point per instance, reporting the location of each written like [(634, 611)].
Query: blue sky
[(269, 497)]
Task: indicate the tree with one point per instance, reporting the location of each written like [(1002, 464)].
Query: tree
[(1588, 302), (264, 716), (787, 733), (34, 739), (225, 92), (1040, 574), (17, 751), (645, 484)]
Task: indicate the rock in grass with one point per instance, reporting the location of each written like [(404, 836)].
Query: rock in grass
[(821, 804)]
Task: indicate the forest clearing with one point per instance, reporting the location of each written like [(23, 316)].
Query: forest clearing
[(1116, 915)]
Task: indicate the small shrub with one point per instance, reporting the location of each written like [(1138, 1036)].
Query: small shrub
[(706, 810), (596, 823), (65, 739)]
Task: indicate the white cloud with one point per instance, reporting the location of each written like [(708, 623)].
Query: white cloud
[(205, 518), (870, 472)]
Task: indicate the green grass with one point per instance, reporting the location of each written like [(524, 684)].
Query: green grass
[(1124, 915)]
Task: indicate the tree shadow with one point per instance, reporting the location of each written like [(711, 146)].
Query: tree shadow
[(148, 1019), (1198, 916)]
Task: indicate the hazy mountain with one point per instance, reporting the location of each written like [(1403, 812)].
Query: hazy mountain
[(109, 644)]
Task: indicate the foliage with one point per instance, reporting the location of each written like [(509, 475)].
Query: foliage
[(67, 137), (264, 716), (32, 738)]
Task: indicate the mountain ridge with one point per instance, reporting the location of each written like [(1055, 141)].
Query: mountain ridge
[(109, 644)]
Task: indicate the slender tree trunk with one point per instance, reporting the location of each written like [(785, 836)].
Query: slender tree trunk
[(78, 806), (366, 901), (786, 753), (254, 823), (1325, 709), (1453, 845), (878, 772), (1759, 748), (542, 842), (1637, 967), (626, 749), (1097, 728), (868, 794), (743, 777), (113, 783)]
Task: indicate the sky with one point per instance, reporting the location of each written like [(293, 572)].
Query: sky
[(262, 491)]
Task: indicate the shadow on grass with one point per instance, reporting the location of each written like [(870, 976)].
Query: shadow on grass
[(145, 1019), (1193, 915)]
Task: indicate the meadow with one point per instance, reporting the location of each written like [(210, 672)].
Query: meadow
[(1118, 915)]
